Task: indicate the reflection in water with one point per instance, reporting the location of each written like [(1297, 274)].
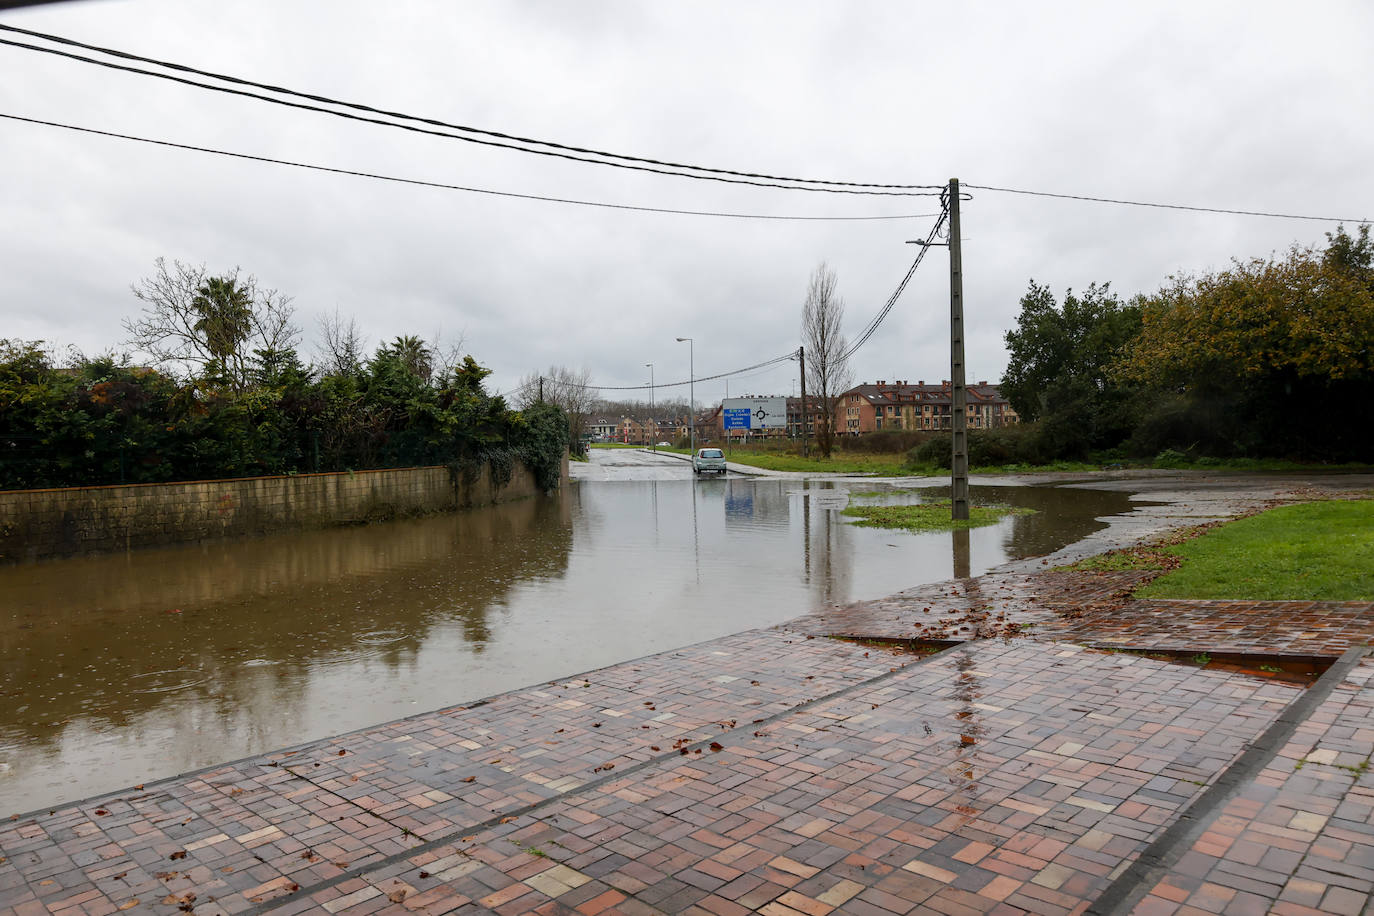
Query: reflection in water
[(123, 668), (959, 538), (964, 771)]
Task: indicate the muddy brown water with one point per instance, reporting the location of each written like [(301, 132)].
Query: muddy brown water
[(122, 669)]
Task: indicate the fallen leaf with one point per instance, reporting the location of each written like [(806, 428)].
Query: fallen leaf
[(129, 904), (179, 854), (653, 747), (470, 779), (716, 746)]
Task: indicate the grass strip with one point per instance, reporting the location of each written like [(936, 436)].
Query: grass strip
[(1321, 551), (928, 516)]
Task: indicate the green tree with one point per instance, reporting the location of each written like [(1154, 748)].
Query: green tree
[(1059, 368), (1277, 352)]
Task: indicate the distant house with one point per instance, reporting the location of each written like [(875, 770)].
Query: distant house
[(794, 417), (603, 429), (868, 408)]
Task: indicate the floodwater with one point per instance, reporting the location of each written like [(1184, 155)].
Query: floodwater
[(122, 669)]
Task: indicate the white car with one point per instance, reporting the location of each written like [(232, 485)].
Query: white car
[(708, 459)]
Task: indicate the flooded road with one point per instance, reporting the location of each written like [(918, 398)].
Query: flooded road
[(125, 668)]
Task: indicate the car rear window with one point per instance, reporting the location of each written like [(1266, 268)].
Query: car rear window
[(711, 453)]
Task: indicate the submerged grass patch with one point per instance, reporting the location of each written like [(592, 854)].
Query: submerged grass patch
[(1320, 551), (929, 516)]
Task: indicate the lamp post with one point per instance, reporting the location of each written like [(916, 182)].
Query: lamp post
[(654, 440), (691, 392)]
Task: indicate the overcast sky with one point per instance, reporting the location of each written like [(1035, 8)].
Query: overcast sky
[(1248, 105)]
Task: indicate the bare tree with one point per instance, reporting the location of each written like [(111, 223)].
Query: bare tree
[(827, 362), (209, 326), (341, 347), (567, 388), (447, 356)]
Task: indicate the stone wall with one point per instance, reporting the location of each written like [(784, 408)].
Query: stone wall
[(35, 524)]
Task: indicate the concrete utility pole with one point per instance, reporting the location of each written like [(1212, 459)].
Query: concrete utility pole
[(652, 422), (801, 356), (958, 481)]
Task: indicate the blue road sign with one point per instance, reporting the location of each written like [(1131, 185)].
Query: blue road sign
[(737, 418)]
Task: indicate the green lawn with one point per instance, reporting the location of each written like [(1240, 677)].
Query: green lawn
[(1318, 551), (878, 465), (928, 516)]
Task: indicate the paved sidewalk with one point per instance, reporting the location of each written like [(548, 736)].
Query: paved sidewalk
[(782, 771)]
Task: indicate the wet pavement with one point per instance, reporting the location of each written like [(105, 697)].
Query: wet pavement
[(781, 771)]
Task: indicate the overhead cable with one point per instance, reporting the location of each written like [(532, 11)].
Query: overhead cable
[(467, 134), (698, 378), (792, 355), (1141, 203), (892, 300), (455, 187)]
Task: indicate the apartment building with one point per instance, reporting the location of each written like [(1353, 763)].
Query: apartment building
[(867, 408)]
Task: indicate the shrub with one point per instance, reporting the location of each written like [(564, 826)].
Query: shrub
[(1003, 445), (886, 441)]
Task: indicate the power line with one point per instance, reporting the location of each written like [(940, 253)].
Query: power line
[(500, 140), (455, 187), (1141, 203), (892, 300), (657, 385), (792, 354)]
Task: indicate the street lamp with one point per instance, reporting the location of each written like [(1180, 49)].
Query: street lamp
[(654, 441), (691, 392)]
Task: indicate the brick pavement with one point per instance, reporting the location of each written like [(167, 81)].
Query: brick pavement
[(998, 777), (1095, 608), (1299, 839)]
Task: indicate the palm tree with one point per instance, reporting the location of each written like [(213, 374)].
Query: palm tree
[(226, 321)]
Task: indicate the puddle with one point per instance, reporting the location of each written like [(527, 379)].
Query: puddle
[(1301, 670), (294, 636), (921, 647), (166, 681), (381, 637)]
